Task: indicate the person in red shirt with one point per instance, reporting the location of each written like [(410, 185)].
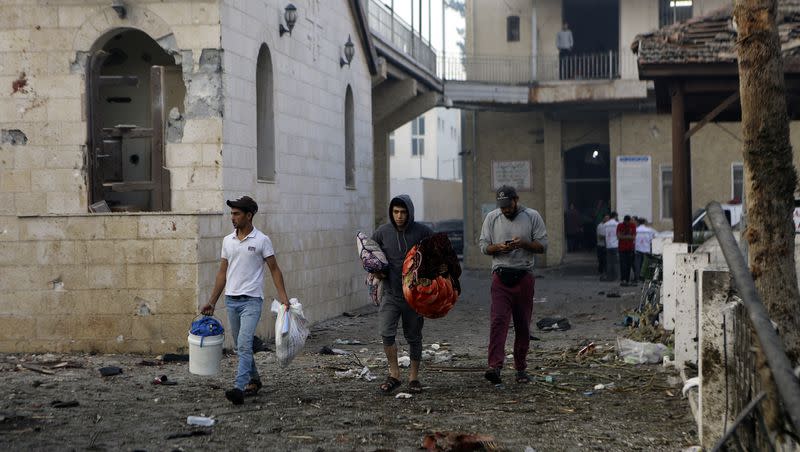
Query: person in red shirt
[(626, 233)]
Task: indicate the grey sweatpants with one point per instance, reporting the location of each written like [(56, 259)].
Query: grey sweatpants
[(392, 310)]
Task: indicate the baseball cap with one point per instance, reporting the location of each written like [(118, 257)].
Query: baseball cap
[(245, 203), (505, 195)]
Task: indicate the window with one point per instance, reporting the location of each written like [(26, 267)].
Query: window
[(737, 182), (349, 141), (512, 28), (391, 144), (673, 11), (418, 136), (265, 117), (666, 192)]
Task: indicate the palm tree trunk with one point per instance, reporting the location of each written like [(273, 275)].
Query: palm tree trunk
[(770, 176)]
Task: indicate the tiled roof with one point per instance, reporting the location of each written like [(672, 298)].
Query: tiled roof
[(711, 38)]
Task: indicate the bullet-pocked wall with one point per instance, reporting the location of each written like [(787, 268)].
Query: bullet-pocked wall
[(131, 281)]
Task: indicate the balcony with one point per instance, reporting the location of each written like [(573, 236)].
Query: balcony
[(392, 30), (510, 70), (596, 80)]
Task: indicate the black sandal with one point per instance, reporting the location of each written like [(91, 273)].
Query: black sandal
[(252, 387), (414, 387), (523, 377), (493, 375), (390, 385)]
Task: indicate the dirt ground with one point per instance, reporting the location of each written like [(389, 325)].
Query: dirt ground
[(307, 407)]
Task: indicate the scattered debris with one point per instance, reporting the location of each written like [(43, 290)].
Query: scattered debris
[(362, 374), (553, 324), (35, 368), (147, 362), (404, 361), (164, 381), (349, 314), (110, 371), (693, 382), (60, 404), (175, 358), (435, 346), (347, 342), (534, 338), (202, 421), (403, 395), (333, 351), (458, 441), (587, 350), (612, 295), (633, 352), (540, 300), (188, 434)]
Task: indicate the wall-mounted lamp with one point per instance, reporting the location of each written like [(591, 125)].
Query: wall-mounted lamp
[(290, 16), (349, 51), (119, 7)]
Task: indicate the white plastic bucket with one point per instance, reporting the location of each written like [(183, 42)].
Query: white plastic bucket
[(204, 359)]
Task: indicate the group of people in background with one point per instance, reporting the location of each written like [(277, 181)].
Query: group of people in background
[(621, 247)]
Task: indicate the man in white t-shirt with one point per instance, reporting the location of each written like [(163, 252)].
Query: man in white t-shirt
[(612, 247), (601, 246), (241, 274), (644, 241)]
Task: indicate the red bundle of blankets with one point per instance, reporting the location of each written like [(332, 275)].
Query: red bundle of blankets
[(430, 276)]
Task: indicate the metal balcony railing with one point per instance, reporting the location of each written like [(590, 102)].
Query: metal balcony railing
[(524, 70), (396, 31)]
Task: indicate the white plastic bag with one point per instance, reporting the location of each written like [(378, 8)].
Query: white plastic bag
[(291, 330), (633, 352)]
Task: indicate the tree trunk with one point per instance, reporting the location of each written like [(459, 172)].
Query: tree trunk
[(769, 173)]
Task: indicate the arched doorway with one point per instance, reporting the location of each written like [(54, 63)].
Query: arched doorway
[(131, 85), (587, 181)]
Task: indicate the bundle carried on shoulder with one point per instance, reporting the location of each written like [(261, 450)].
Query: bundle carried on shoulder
[(374, 260), (430, 276)]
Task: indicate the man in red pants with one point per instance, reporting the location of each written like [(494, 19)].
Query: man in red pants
[(511, 234)]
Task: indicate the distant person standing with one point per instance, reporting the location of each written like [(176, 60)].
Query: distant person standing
[(644, 243), (511, 234), (601, 245), (612, 247), (564, 44), (626, 234)]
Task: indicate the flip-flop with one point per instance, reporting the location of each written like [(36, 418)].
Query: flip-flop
[(390, 385), (523, 377), (414, 387)]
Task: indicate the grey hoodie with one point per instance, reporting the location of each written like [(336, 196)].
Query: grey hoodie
[(396, 243)]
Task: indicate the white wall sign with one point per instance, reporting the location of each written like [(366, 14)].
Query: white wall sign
[(516, 173), (635, 186)]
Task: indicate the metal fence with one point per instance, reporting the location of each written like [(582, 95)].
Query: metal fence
[(523, 70), (392, 29)]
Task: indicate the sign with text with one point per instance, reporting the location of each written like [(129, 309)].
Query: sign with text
[(516, 173), (635, 186)]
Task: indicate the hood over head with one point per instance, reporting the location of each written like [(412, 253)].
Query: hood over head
[(405, 201)]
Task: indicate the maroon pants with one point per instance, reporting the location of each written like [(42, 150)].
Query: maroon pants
[(510, 303)]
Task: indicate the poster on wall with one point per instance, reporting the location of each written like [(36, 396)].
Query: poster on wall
[(516, 173), (635, 186)]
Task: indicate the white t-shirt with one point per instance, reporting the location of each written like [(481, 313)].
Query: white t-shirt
[(601, 235), (644, 238), (610, 230), (245, 258)]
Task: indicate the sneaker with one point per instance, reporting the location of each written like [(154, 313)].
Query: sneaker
[(493, 375), (235, 395)]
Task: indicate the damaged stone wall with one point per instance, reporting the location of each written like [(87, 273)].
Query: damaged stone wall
[(73, 281)]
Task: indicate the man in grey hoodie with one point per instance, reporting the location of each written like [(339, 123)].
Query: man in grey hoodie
[(396, 238)]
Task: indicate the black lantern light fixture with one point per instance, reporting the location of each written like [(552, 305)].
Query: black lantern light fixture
[(349, 51), (119, 7), (290, 16)]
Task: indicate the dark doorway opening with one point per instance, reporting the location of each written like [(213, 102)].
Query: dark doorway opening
[(594, 25), (587, 180)]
